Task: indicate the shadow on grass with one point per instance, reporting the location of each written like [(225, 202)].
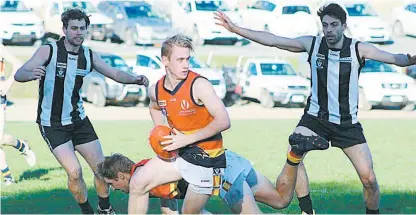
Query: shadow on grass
[(35, 174), (328, 198)]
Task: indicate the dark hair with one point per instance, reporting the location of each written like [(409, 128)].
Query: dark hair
[(114, 164), (334, 10), (74, 14)]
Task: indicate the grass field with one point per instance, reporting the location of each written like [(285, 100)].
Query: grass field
[(334, 183)]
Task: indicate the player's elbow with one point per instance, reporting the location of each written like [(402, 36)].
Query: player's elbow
[(18, 77), (224, 123)]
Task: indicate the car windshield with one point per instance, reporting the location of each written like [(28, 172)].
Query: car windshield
[(84, 5), (360, 10), (376, 66), (12, 6), (194, 63), (115, 61), (295, 9), (276, 69), (141, 11), (211, 5)]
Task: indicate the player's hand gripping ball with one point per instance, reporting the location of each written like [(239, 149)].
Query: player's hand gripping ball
[(156, 137)]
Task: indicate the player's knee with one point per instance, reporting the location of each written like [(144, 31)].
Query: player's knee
[(75, 175), (369, 180)]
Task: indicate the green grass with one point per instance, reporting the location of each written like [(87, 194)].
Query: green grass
[(334, 183)]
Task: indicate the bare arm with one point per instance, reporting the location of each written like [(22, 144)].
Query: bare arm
[(117, 75), (33, 69), (138, 203), (154, 109), (369, 51), (300, 44), (156, 172), (204, 92)]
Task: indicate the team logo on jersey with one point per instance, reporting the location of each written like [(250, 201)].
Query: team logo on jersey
[(60, 73), (320, 63), (184, 105), (186, 110)]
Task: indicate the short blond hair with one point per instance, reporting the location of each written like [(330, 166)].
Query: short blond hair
[(177, 40)]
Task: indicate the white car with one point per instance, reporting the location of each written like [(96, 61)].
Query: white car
[(19, 24), (403, 17), (101, 26), (364, 23), (382, 85), (279, 17), (148, 63), (273, 81), (195, 18)]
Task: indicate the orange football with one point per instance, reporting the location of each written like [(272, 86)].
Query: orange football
[(156, 137)]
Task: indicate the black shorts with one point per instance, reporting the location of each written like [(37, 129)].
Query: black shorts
[(79, 132), (341, 136)]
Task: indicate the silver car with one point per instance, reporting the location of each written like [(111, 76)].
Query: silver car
[(100, 90)]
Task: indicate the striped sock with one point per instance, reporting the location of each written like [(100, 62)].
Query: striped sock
[(20, 146), (6, 173), (293, 159)]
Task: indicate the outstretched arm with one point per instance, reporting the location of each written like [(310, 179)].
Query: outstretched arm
[(117, 75), (369, 51), (300, 44)]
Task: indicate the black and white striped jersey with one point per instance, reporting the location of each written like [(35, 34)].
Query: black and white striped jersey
[(60, 102), (334, 80)]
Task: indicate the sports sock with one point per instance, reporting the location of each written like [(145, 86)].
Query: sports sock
[(20, 146), (305, 204), (6, 173), (293, 158), (104, 203), (369, 211), (86, 207)]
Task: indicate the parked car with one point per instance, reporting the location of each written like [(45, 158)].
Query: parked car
[(195, 19), (382, 85), (137, 22), (101, 26), (273, 81), (364, 23), (279, 17), (100, 90), (19, 24), (402, 19)]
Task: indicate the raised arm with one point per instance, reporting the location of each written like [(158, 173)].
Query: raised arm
[(34, 68), (117, 75), (370, 51), (154, 109), (300, 44)]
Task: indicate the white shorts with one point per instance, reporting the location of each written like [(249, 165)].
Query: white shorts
[(201, 180)]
